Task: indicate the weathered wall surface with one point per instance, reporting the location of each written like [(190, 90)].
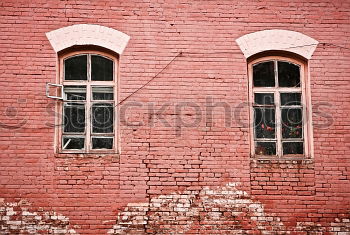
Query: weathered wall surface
[(185, 164)]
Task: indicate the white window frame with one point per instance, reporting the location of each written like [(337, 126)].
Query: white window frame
[(306, 108), (89, 84)]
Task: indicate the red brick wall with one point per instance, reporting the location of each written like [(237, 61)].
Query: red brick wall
[(171, 178)]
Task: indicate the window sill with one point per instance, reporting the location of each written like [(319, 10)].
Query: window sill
[(87, 155), (291, 160)]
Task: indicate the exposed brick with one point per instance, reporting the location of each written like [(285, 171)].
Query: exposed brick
[(171, 178)]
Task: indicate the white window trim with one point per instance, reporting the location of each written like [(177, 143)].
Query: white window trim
[(277, 39), (59, 108), (306, 105), (88, 34)]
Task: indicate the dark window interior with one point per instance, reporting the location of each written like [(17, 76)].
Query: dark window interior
[(75, 92), (290, 111), (288, 74), (264, 123), (264, 74), (102, 143), (73, 143), (87, 99), (102, 118), (74, 118), (290, 99), (75, 68), (102, 93), (265, 148), (264, 98), (293, 148), (101, 68), (292, 123)]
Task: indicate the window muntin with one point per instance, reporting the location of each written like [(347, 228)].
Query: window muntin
[(277, 88), (88, 108)]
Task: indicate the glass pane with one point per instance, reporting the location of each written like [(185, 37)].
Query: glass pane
[(74, 117), (264, 98), (102, 93), (293, 148), (288, 74), (75, 68), (290, 98), (102, 143), (265, 148), (264, 123), (292, 126), (75, 92), (102, 118), (101, 68), (73, 143), (264, 74)]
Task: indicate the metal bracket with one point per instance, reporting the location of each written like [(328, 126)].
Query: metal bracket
[(57, 86)]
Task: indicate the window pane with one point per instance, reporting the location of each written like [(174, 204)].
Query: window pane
[(264, 75), (75, 68), (102, 143), (292, 126), (73, 143), (288, 74), (74, 117), (75, 92), (264, 98), (290, 98), (102, 118), (265, 148), (101, 68), (102, 93), (264, 123), (293, 148)]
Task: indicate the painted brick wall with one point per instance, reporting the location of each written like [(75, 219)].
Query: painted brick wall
[(172, 177)]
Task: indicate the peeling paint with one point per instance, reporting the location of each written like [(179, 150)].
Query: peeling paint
[(224, 210), (18, 218)]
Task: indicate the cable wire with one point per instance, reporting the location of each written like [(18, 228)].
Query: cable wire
[(193, 53), (180, 53)]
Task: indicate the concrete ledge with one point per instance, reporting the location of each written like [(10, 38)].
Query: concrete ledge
[(277, 39), (88, 34)]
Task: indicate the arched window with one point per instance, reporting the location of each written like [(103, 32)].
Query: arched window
[(279, 107), (87, 84), (88, 123)]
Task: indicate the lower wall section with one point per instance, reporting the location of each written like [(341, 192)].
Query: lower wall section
[(221, 210), (19, 218), (211, 210)]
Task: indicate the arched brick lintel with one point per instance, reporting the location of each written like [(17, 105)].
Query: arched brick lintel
[(276, 39), (88, 34)]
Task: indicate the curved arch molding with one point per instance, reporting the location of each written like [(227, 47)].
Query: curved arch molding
[(277, 39), (88, 34)]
